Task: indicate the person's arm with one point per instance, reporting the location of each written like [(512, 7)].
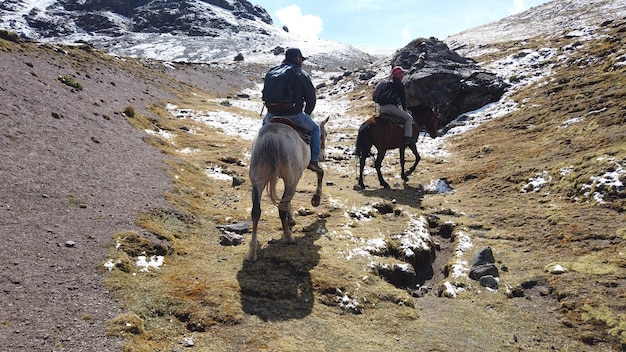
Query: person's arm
[(309, 93), (401, 93)]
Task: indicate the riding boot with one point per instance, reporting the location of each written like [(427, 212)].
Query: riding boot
[(408, 141), (315, 166)]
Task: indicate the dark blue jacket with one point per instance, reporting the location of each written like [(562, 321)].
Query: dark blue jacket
[(304, 94)]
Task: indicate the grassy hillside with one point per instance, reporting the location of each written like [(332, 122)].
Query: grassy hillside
[(568, 131)]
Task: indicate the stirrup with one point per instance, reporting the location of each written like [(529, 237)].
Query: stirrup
[(315, 167)]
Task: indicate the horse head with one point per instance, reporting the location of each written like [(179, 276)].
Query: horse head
[(426, 116), (323, 135), (432, 124)]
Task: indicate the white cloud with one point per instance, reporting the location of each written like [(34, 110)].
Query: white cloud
[(307, 26), (518, 6), (406, 34)]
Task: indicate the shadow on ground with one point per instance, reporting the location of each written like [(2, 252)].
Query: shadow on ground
[(278, 286)]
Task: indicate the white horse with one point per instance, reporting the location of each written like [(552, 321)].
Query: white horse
[(278, 151)]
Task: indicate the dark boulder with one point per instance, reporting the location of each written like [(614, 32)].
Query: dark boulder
[(485, 256), (483, 270), (439, 77)]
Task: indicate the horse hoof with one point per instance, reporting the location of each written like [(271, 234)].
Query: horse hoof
[(315, 201), (358, 187), (251, 258)]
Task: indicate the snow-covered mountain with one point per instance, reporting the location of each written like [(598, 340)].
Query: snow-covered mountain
[(219, 30), (169, 30), (558, 17)]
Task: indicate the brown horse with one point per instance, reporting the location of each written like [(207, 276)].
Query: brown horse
[(385, 134), (279, 152)]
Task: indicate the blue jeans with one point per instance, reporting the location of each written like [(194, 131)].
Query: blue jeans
[(304, 121)]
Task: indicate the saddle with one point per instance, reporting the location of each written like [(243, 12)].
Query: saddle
[(304, 134), (396, 120)]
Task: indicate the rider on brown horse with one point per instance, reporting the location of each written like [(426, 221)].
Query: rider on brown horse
[(397, 98)]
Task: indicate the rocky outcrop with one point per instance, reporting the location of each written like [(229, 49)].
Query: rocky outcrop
[(118, 17), (439, 77), (193, 18)]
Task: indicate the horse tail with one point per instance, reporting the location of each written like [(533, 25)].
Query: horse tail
[(265, 163), (363, 142)]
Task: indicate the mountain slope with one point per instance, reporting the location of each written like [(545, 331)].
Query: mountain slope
[(554, 18)]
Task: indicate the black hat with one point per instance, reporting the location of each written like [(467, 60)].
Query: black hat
[(292, 53)]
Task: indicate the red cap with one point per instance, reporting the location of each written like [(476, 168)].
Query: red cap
[(397, 71)]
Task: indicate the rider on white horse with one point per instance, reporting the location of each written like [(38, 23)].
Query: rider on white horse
[(304, 95)]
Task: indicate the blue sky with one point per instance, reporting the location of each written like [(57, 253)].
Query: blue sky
[(381, 24)]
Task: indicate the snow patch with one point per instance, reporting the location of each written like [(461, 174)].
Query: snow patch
[(146, 263)]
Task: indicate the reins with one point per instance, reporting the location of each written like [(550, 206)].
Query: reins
[(262, 108)]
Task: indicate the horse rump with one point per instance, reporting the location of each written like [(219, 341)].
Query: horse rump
[(264, 164), (363, 142)]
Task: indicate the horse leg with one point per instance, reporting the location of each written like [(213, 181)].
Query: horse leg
[(378, 164), (285, 217), (362, 160), (317, 196), (417, 159), (284, 211), (256, 215), (402, 174)]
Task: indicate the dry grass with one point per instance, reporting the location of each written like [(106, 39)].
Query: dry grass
[(297, 297)]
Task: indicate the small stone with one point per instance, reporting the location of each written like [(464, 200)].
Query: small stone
[(516, 291), (231, 239), (558, 269), (70, 244), (238, 181), (489, 281), (240, 227), (304, 211), (187, 342)]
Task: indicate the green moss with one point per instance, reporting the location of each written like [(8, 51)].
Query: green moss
[(70, 81), (615, 322), (588, 264), (74, 202), (129, 111), (126, 324)]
